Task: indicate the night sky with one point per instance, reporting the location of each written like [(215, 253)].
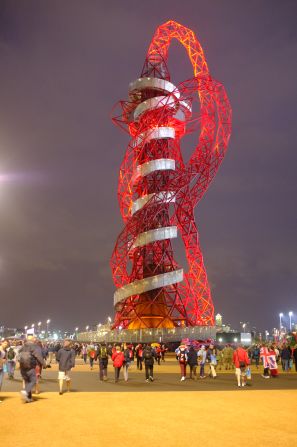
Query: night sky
[(63, 65)]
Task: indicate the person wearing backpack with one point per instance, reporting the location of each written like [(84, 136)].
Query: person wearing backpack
[(29, 357), (118, 360), (102, 356), (148, 358)]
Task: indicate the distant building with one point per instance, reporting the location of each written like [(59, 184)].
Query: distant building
[(219, 320)]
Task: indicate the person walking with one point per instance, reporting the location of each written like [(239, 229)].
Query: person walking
[(91, 354), (84, 353), (51, 355), (285, 358), (139, 356), (148, 358), (29, 357), (193, 362), (4, 345), (158, 354), (256, 355), (163, 352), (202, 360), (118, 360), (240, 361), (272, 362), (66, 360), (295, 356), (182, 357), (102, 356), (211, 356), (228, 357), (10, 361), (264, 355), (128, 355)]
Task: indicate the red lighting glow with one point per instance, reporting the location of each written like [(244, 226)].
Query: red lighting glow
[(158, 191)]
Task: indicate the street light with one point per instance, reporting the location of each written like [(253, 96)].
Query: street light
[(280, 320), (26, 327), (39, 324), (290, 316), (87, 328)]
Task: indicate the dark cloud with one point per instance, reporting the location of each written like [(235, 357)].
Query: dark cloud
[(63, 64)]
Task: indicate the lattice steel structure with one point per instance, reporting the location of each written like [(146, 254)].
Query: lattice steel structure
[(158, 191)]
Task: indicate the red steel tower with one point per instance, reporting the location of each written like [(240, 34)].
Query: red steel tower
[(158, 191)]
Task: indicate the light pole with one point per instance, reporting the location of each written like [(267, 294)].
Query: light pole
[(26, 327), (290, 316), (39, 324), (76, 329), (87, 328), (47, 325), (280, 321)]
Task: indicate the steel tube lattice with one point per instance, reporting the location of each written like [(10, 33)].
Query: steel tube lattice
[(158, 191)]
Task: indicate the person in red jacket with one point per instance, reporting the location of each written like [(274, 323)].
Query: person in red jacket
[(240, 361), (118, 360)]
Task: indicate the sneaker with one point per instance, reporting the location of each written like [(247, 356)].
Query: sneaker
[(60, 393), (182, 379), (151, 378), (24, 395), (147, 380), (29, 400)]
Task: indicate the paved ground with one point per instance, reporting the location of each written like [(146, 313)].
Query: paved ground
[(167, 378), (166, 412)]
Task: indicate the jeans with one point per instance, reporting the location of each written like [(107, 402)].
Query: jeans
[(139, 363), (117, 370), (149, 371), (125, 370), (29, 377), (1, 377), (102, 369), (202, 370), (10, 368), (193, 369), (285, 364)]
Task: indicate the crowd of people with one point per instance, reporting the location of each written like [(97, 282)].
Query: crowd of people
[(199, 360)]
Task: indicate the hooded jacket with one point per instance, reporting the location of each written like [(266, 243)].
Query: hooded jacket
[(66, 358)]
